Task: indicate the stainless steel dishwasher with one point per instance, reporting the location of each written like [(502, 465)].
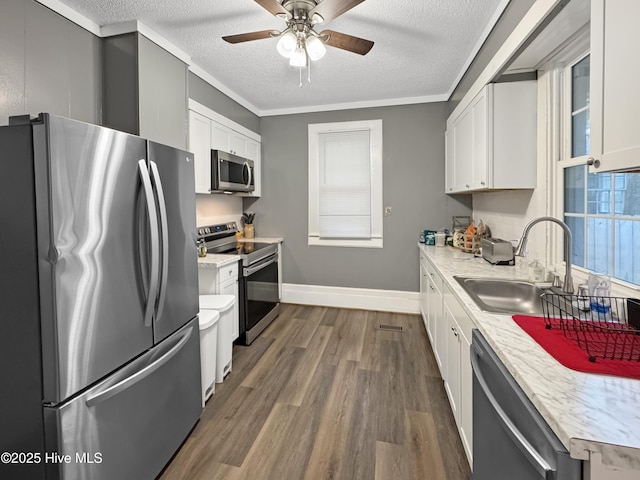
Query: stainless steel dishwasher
[(510, 438)]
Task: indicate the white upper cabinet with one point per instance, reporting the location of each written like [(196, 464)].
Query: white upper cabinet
[(220, 137), (491, 144), (211, 131), (615, 102), (199, 141)]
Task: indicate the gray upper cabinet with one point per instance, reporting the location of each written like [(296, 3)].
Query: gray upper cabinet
[(145, 90), (49, 64)]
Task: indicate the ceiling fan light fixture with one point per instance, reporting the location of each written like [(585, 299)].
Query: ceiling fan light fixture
[(299, 57), (315, 48), (317, 18), (286, 46)]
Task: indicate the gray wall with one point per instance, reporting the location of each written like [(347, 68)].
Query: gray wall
[(413, 185), (47, 64), (217, 101)]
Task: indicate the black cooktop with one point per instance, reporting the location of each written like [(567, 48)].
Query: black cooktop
[(241, 248)]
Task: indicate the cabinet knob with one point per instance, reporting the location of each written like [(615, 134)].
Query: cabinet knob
[(483, 183), (467, 186), (593, 162)]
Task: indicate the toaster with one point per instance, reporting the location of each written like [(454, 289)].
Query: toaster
[(497, 251)]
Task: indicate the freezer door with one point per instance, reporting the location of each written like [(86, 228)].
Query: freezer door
[(89, 204), (130, 425), (172, 175)]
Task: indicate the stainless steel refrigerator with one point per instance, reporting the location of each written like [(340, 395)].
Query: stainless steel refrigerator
[(100, 346)]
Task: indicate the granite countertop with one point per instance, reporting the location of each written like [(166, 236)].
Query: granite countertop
[(588, 412), (217, 260)]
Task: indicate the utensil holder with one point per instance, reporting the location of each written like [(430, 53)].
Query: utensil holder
[(249, 231)]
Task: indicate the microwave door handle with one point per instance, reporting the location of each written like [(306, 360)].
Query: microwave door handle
[(164, 225), (537, 461), (246, 165), (155, 241)]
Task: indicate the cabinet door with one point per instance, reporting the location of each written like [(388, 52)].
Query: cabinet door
[(220, 137), (615, 103), (253, 149), (463, 151), (238, 144), (466, 396), (452, 360), (449, 155), (424, 299), (481, 125), (200, 146), (436, 322)]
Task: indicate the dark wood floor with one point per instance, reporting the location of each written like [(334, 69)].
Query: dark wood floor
[(324, 393)]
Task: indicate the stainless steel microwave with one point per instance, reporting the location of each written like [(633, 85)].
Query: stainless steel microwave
[(231, 173)]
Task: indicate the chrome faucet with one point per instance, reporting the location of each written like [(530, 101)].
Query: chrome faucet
[(521, 249)]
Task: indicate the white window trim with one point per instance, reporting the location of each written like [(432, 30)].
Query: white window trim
[(560, 156), (375, 129)]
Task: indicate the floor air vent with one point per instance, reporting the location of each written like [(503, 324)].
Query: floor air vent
[(391, 328)]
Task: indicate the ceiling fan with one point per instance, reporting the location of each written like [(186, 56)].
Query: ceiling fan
[(299, 41)]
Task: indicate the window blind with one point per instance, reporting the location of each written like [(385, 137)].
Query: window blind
[(344, 189)]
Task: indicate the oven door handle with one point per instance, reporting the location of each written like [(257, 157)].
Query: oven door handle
[(540, 464), (246, 271)]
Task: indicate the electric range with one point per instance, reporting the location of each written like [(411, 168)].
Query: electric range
[(258, 279)]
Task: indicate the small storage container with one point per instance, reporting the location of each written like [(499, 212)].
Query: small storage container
[(224, 305), (208, 321)]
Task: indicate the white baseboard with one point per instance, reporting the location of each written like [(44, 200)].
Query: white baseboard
[(343, 297)]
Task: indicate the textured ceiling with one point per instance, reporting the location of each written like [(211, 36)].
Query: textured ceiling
[(422, 47)]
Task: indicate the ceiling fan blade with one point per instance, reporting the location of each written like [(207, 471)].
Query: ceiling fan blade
[(347, 42), (247, 37), (330, 9), (274, 7)]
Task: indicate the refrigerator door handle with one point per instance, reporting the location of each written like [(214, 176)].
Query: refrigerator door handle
[(164, 226), (155, 241), (131, 380)]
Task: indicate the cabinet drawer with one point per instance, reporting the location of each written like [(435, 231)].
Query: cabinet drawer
[(228, 272), (435, 277)]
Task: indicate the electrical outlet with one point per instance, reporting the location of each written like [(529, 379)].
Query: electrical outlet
[(387, 211)]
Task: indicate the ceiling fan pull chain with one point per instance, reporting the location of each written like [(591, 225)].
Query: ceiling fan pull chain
[(309, 72), (300, 85)]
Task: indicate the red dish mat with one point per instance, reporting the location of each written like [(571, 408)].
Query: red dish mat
[(569, 354)]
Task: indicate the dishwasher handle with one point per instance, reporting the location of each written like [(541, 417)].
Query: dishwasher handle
[(538, 462)]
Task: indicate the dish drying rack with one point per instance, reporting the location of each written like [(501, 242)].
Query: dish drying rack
[(604, 327)]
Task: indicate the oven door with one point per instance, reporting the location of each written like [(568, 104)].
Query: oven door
[(259, 297)]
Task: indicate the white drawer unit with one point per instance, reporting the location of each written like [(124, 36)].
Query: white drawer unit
[(228, 273)]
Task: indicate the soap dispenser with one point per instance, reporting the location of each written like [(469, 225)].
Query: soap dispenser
[(536, 272)]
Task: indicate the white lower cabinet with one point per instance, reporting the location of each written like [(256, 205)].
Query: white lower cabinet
[(459, 379), (449, 329)]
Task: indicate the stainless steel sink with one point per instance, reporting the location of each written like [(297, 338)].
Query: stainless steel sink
[(503, 296)]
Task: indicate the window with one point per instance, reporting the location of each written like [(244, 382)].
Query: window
[(345, 184), (602, 210)]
